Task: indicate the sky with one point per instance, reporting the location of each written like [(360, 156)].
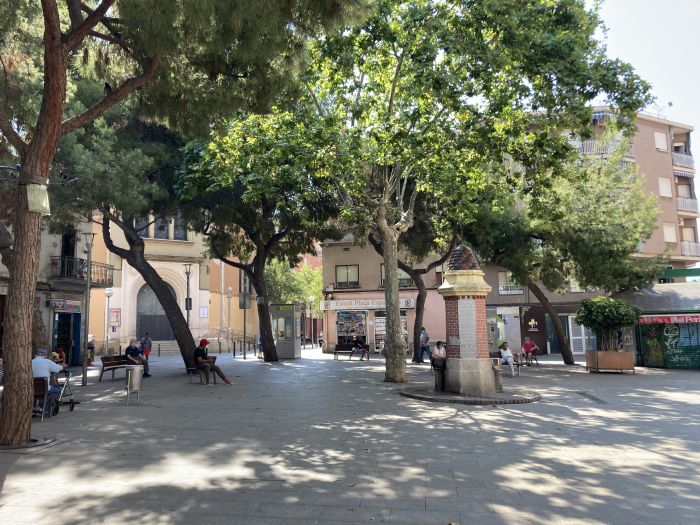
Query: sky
[(661, 39)]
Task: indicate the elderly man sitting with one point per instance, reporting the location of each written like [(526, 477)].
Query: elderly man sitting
[(44, 367), (133, 357)]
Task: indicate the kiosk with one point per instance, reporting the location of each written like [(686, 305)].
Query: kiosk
[(286, 329)]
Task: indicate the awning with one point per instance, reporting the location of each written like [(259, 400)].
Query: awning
[(669, 319), (683, 174)]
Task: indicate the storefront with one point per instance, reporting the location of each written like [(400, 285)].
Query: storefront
[(67, 329)]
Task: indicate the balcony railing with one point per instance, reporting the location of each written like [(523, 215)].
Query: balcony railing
[(510, 289), (594, 147), (690, 248), (683, 160), (686, 204), (74, 269)]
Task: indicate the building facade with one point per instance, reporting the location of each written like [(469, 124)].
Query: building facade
[(353, 275)]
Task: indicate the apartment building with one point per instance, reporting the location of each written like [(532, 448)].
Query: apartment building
[(353, 276)]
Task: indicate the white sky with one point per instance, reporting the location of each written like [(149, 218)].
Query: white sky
[(661, 39)]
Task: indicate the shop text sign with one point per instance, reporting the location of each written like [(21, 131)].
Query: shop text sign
[(363, 304), (669, 319)]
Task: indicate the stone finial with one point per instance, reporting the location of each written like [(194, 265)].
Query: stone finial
[(462, 259)]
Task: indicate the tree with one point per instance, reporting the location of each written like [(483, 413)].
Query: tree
[(123, 167), (191, 60), (294, 285), (585, 229), (605, 316), (440, 91), (263, 189)]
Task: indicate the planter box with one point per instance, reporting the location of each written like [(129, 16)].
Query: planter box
[(597, 360)]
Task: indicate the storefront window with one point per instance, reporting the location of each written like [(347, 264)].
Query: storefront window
[(380, 326), (351, 324)]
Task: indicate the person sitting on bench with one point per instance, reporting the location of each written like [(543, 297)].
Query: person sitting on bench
[(44, 367), (507, 357), (438, 351), (202, 362), (133, 357), (358, 346), (529, 348)]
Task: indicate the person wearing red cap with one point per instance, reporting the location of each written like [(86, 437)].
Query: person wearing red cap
[(202, 362)]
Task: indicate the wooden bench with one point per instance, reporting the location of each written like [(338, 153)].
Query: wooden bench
[(497, 355), (347, 349), (202, 373), (41, 392), (112, 363)]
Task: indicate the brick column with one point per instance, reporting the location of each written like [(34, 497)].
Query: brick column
[(468, 365)]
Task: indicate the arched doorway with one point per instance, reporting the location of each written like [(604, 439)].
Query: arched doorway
[(150, 316)]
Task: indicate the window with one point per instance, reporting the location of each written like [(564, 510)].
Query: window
[(141, 226), (574, 287), (660, 141), (679, 147), (347, 276), (160, 229), (440, 274), (507, 286), (665, 189), (684, 191), (180, 233), (689, 234), (670, 232), (404, 278)]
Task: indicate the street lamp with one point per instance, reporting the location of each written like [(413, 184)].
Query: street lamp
[(228, 331), (89, 237), (188, 301), (108, 294), (311, 305)]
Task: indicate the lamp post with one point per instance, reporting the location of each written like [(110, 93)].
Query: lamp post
[(89, 237), (188, 301), (228, 330), (108, 294), (311, 305)]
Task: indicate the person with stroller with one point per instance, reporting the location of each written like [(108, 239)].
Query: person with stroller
[(42, 366), (133, 357)]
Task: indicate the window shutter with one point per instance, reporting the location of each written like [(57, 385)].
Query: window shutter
[(670, 232), (684, 190), (665, 189), (660, 141)]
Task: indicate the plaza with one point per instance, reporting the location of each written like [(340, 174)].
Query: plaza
[(317, 441)]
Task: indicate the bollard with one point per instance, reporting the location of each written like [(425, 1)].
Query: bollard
[(219, 346), (158, 349), (120, 349), (234, 349)]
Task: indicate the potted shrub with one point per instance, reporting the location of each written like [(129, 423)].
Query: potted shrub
[(606, 317)]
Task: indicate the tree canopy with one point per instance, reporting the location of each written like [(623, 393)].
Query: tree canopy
[(605, 316)]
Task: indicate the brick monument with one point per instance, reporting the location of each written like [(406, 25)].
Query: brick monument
[(469, 369)]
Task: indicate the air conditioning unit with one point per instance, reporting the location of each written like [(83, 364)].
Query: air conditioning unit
[(681, 222)]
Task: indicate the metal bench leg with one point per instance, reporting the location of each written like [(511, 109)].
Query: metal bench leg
[(101, 372), (113, 370)]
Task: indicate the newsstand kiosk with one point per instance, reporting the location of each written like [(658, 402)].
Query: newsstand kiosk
[(286, 328)]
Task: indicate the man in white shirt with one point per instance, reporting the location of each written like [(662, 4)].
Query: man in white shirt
[(43, 367), (507, 357)]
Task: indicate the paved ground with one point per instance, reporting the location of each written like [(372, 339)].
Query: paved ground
[(318, 441)]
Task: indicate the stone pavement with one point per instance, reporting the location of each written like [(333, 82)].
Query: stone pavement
[(317, 441)]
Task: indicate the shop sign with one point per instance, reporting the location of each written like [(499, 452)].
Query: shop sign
[(363, 304), (284, 308), (669, 319), (66, 306)]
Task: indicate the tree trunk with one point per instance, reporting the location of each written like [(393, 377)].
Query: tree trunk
[(395, 347), (134, 256), (566, 353), (420, 309), (40, 335), (268, 340)]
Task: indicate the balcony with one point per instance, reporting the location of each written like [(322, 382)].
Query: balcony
[(686, 204), (510, 289), (691, 249), (70, 274), (682, 160), (594, 147)]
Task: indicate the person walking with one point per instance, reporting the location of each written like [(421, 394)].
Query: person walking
[(203, 362), (260, 346), (507, 357), (146, 345), (133, 355), (424, 346)]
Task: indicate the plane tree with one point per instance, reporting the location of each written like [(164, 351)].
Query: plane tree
[(442, 93)]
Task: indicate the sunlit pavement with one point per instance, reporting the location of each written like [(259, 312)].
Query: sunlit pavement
[(318, 441)]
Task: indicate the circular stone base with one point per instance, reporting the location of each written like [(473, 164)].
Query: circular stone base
[(506, 397), (34, 442)]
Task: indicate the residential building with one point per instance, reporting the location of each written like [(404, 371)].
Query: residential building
[(353, 277)]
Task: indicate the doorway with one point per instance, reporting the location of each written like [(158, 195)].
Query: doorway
[(150, 316), (552, 339), (66, 336), (579, 337)]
